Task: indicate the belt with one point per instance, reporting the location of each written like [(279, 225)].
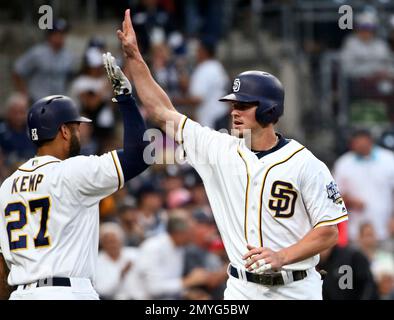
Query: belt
[(268, 279), (49, 282)]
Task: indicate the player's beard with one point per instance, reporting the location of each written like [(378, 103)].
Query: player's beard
[(75, 146)]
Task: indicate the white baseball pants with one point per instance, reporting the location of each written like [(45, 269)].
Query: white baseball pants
[(81, 289)]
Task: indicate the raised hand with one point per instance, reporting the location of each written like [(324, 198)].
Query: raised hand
[(120, 83), (128, 38)]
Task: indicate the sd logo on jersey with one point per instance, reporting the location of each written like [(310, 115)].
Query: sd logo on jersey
[(283, 199), (333, 193)]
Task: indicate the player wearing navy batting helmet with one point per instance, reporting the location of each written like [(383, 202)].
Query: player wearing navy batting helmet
[(275, 204), (49, 226), (261, 89)]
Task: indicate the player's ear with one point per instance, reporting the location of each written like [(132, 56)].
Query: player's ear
[(65, 132)]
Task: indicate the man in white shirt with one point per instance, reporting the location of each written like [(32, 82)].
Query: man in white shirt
[(208, 82), (365, 176), (363, 54), (159, 270), (115, 264)]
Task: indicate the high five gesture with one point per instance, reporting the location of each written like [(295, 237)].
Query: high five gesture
[(128, 38)]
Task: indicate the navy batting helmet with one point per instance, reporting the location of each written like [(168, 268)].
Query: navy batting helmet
[(48, 114), (261, 88)]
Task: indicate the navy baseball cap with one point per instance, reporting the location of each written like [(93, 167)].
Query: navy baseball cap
[(59, 25), (203, 217)]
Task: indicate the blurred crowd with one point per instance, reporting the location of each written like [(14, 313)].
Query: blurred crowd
[(367, 60), (158, 238)]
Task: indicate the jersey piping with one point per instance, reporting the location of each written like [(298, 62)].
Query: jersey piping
[(44, 164), (117, 170), (262, 189), (328, 222), (246, 193)]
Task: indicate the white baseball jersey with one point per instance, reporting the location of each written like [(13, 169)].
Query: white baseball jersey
[(49, 222), (271, 202)]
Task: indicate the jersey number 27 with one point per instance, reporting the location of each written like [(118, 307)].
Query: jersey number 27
[(41, 239)]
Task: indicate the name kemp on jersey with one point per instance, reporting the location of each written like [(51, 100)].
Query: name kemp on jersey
[(28, 183)]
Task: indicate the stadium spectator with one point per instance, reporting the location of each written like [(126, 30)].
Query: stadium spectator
[(368, 62), (386, 139), (94, 105), (199, 200), (384, 274), (92, 92), (204, 17), (159, 270), (369, 244), (46, 68), (92, 71), (208, 83), (14, 140), (152, 23), (173, 179), (152, 217), (171, 70), (224, 122), (114, 264), (358, 282), (89, 143), (388, 244), (97, 42), (365, 176), (163, 68), (198, 255), (4, 169), (381, 261), (178, 198), (128, 217), (363, 54)]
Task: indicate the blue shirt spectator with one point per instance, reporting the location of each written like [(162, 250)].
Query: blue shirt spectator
[(14, 140), (46, 68)]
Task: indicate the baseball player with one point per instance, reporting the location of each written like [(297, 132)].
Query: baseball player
[(49, 206), (275, 204)]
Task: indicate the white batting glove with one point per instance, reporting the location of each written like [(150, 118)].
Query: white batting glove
[(120, 83)]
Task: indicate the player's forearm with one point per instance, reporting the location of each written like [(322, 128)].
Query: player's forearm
[(152, 96), (314, 242), (187, 101), (131, 157)]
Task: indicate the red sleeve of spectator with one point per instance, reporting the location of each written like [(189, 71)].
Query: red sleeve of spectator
[(342, 234)]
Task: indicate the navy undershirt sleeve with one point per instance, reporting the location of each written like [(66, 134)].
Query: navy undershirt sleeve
[(131, 157)]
